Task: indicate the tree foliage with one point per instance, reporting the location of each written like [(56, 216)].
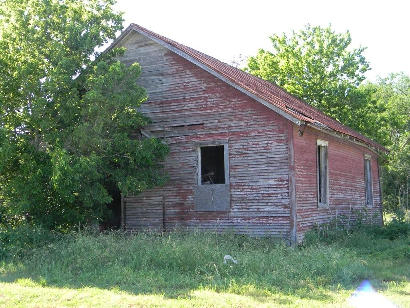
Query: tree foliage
[(393, 94), (381, 111), (68, 122), (315, 64)]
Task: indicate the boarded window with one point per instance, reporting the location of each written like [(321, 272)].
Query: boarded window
[(212, 165), (322, 173), (368, 181)]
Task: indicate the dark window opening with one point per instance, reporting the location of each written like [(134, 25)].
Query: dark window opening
[(113, 218), (368, 181), (322, 174), (212, 165)]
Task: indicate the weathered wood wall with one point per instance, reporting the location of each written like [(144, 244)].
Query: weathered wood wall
[(189, 106), (273, 172), (346, 181)]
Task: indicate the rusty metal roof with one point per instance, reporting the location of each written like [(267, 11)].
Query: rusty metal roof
[(260, 88)]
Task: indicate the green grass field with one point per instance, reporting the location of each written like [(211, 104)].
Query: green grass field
[(187, 270)]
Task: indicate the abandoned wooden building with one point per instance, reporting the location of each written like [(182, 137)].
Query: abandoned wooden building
[(245, 155)]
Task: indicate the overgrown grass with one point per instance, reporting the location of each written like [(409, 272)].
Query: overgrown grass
[(187, 269)]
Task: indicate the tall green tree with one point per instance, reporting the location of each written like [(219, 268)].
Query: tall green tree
[(68, 122), (315, 64), (393, 94)]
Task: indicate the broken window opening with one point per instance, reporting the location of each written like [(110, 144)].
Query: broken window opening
[(212, 165), (322, 166), (368, 181)]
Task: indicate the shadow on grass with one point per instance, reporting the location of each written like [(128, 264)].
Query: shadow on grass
[(175, 265), (176, 286)]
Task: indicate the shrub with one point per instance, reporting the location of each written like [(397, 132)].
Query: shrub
[(393, 230), (18, 241), (363, 233)]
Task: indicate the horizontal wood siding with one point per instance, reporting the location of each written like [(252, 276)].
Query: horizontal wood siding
[(346, 182), (147, 210), (189, 107)]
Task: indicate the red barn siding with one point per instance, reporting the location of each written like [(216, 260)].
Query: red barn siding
[(181, 93), (346, 181), (273, 189)]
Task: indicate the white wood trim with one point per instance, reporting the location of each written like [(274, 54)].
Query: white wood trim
[(326, 204), (226, 163), (322, 143), (199, 172)]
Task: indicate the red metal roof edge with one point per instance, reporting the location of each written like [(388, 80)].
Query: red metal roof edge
[(263, 89)]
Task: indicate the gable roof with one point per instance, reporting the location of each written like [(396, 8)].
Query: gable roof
[(261, 90)]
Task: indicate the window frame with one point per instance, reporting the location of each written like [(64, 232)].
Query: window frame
[(368, 180), (226, 161), (319, 144)]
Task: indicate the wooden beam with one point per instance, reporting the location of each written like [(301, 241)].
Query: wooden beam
[(292, 187)]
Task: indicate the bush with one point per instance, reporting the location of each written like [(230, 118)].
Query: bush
[(359, 235), (325, 234), (18, 241), (393, 230)]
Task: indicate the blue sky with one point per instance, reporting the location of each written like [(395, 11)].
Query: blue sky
[(228, 30)]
